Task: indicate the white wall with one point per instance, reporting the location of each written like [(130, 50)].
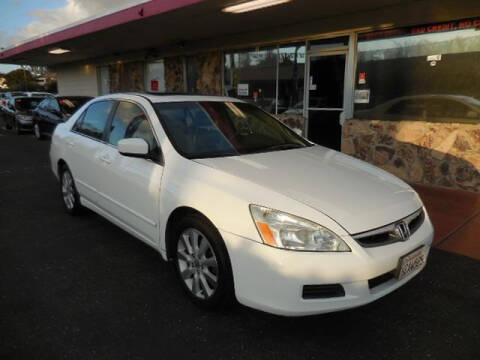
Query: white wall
[(77, 80)]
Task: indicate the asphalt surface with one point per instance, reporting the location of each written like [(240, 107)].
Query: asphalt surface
[(81, 288)]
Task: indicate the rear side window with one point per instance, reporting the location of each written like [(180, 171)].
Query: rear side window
[(94, 119), (43, 104), (53, 105)]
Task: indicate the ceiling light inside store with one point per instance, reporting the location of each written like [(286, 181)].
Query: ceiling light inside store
[(253, 5)]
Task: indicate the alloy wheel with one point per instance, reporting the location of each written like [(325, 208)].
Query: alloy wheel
[(68, 190), (197, 263), (16, 127), (36, 131)]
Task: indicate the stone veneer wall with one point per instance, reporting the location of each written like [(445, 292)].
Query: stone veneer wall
[(127, 76), (174, 81), (209, 67), (443, 154)]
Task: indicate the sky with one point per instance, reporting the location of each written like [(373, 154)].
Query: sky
[(24, 19)]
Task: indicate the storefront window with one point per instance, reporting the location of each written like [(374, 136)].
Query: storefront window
[(155, 77), (329, 43), (251, 75), (291, 73), (426, 73), (103, 80)]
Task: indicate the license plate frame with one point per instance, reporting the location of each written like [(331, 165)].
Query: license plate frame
[(411, 262)]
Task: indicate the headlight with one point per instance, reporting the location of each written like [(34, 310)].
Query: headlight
[(287, 231)]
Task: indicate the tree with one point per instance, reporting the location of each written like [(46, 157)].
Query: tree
[(22, 80)]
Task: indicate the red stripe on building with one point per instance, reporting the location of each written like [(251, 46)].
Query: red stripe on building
[(137, 12)]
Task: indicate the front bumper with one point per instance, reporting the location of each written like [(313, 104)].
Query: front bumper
[(272, 280), (25, 124)]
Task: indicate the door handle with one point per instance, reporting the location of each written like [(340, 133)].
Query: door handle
[(105, 159), (71, 143)]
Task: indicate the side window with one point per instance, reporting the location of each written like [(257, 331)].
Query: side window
[(94, 120), (43, 104), (53, 105), (130, 121)]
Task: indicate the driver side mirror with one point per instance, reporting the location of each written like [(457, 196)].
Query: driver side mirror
[(134, 147)]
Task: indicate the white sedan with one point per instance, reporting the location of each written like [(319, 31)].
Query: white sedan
[(242, 206)]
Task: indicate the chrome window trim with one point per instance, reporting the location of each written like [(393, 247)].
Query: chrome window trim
[(389, 227)]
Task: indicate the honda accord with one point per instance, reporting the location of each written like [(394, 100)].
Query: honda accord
[(242, 206)]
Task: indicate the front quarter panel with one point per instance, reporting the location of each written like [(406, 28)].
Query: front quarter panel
[(224, 199)]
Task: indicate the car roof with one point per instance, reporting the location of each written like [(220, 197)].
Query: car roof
[(28, 97), (160, 98), (73, 96)]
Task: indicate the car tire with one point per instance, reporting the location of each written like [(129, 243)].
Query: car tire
[(203, 267), (16, 127), (6, 122), (36, 132), (70, 197)]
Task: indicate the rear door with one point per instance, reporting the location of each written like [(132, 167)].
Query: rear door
[(130, 186), (38, 114), (53, 116), (85, 142)]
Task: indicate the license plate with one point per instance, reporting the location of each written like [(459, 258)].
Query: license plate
[(412, 262)]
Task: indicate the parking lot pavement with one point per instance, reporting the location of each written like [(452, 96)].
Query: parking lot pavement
[(81, 288)]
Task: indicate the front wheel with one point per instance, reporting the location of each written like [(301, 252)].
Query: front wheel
[(71, 199), (202, 263), (37, 132), (16, 127)]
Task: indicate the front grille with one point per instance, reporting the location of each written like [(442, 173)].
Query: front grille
[(387, 234), (379, 280), (416, 222), (322, 291)]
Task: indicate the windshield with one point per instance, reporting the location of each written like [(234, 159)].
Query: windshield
[(27, 103), (71, 104), (213, 129)]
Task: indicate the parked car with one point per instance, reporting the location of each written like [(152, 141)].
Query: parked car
[(54, 110), (241, 205), (17, 114), (39, 94), (3, 99), (433, 108), (13, 94)]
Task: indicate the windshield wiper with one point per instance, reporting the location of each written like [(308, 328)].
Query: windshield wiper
[(286, 146), (214, 154)]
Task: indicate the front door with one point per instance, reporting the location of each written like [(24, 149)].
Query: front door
[(325, 98), (130, 187)]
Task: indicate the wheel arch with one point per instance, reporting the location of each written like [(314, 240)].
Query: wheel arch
[(60, 164), (174, 217)]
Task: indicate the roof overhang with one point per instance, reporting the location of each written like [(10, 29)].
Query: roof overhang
[(158, 27)]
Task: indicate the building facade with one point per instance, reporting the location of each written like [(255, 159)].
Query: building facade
[(404, 98)]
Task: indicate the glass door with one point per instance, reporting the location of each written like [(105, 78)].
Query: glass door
[(325, 88)]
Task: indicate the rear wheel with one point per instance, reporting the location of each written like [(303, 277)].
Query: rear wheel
[(202, 263), (6, 120), (71, 199)]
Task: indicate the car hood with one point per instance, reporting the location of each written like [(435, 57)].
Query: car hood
[(355, 194)]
